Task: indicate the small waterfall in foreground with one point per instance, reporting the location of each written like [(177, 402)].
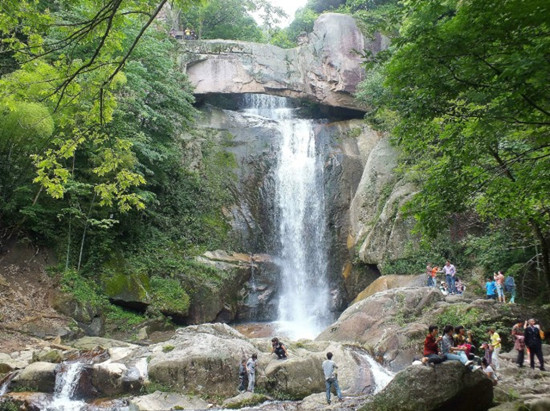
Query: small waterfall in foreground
[(382, 376), (66, 382), (300, 219), (5, 382)]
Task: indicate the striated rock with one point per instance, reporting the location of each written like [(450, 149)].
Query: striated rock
[(201, 359), (38, 376), (378, 229), (325, 69), (387, 282), (161, 401), (449, 385), (385, 323)]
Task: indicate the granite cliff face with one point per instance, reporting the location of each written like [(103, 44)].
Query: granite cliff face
[(363, 196), (325, 69)]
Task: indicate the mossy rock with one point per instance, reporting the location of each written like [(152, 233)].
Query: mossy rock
[(168, 297), (129, 290)]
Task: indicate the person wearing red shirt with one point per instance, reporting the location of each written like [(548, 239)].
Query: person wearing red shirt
[(431, 349)]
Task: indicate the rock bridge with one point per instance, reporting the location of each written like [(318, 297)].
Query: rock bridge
[(325, 68)]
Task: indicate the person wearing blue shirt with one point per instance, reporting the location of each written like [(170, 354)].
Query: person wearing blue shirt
[(491, 288)]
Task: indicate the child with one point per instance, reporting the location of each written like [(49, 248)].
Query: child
[(243, 376)]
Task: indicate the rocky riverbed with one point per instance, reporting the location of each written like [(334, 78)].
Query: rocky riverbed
[(197, 366)]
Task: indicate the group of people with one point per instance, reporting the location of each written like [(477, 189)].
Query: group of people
[(187, 34), (499, 285), (247, 370), (528, 336), (456, 344), (451, 284)]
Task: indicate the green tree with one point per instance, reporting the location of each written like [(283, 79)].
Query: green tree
[(467, 100)]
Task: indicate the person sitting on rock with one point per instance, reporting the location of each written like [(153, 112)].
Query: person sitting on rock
[(278, 348), (487, 369), (448, 347), (431, 349), (443, 288), (463, 339)]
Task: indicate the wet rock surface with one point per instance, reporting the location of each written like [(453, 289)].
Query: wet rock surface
[(448, 385)]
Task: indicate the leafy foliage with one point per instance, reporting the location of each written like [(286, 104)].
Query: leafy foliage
[(466, 99)]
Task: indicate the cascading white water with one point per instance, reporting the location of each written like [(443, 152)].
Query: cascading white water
[(66, 383), (300, 204), (381, 376)]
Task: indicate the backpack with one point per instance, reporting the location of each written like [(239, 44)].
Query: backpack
[(509, 283)]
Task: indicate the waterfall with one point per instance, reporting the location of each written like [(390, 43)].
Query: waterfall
[(66, 382), (300, 221), (382, 376), (5, 382)]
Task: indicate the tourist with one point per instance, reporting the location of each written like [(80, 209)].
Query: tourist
[(499, 281), (435, 270), (251, 369), (331, 378), (278, 348), (487, 352), (449, 350), (519, 342), (487, 369), (429, 269), (243, 377), (459, 286), (491, 288), (450, 272), (533, 341), (463, 339), (431, 348), (510, 287), (443, 288), (495, 347)]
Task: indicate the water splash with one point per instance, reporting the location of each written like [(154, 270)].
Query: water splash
[(301, 221), (381, 375), (66, 383)]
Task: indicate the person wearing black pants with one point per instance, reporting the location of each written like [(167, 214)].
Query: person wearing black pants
[(519, 342), (534, 343)]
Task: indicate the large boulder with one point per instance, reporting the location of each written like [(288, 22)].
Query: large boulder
[(379, 231), (326, 68), (386, 323), (200, 359), (38, 376), (301, 374), (449, 385), (161, 401), (387, 282)]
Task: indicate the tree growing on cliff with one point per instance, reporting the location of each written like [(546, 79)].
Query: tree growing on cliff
[(466, 97)]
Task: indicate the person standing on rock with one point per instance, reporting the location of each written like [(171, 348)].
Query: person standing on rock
[(499, 281), (243, 376), (496, 346), (429, 269), (491, 288), (331, 378), (251, 369), (519, 342), (450, 272), (533, 341)]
